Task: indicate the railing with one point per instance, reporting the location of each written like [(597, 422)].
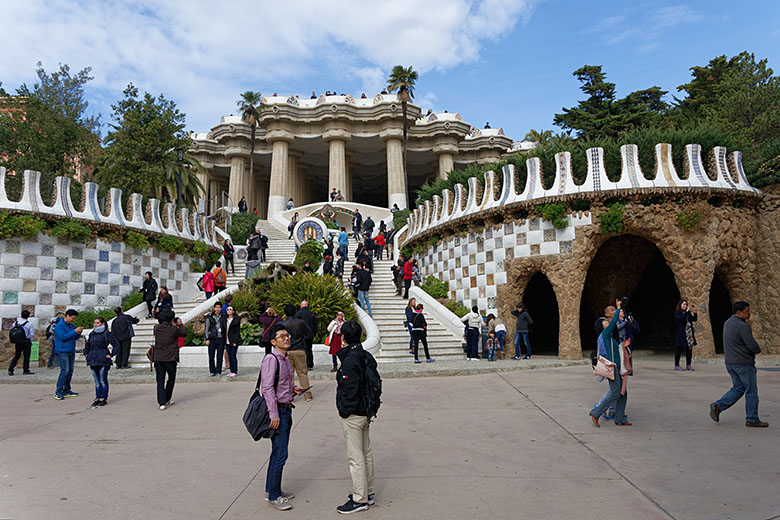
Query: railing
[(184, 223), (728, 176)]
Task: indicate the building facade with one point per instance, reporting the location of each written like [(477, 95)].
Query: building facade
[(306, 147)]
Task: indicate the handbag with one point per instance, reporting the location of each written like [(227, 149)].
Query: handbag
[(327, 341), (604, 368), (256, 417)]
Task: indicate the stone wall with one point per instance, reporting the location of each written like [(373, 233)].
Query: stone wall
[(768, 269)]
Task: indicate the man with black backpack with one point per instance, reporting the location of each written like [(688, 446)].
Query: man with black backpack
[(21, 335), (357, 400)]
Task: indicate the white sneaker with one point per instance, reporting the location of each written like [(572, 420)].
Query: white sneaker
[(170, 403), (280, 504), (162, 407), (286, 494)]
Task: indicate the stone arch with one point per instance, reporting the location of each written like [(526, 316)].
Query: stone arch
[(634, 266), (719, 307), (542, 304)]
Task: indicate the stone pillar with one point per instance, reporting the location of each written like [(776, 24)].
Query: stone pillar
[(261, 195), (214, 189), (277, 190), (293, 178), (239, 179), (337, 167), (445, 165), (396, 180)]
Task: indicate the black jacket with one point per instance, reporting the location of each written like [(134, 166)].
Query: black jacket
[(232, 334), (166, 341), (210, 329), (350, 392), (327, 267), (96, 348), (299, 331), (364, 280), (150, 289), (227, 250), (310, 319), (122, 327)]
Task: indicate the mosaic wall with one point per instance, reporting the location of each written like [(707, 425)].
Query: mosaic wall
[(47, 274), (473, 265)]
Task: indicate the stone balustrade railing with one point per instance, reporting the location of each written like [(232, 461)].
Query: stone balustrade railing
[(728, 175), (185, 224)]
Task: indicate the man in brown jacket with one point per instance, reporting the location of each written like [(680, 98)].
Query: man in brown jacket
[(165, 354)]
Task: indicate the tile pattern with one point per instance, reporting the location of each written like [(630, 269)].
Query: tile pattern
[(474, 266)]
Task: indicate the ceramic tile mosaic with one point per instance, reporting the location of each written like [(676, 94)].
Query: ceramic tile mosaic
[(75, 276), (44, 298), (549, 235), (29, 285), (78, 252), (103, 256), (89, 288), (11, 271), (48, 250), (75, 299), (13, 246), (30, 260), (62, 262), (114, 268)]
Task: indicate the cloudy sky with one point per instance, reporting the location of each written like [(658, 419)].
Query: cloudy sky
[(508, 62)]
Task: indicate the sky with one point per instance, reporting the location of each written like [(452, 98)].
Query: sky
[(507, 62)]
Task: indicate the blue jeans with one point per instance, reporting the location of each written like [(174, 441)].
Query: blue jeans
[(411, 336), (472, 343), (501, 337), (233, 358), (743, 379), (524, 335), (216, 350), (613, 397), (279, 442), (492, 354), (66, 360), (100, 375), (364, 303), (343, 249)]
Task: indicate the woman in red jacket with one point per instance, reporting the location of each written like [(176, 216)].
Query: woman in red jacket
[(208, 283), (408, 272)]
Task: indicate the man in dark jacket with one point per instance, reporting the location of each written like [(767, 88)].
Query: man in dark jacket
[(368, 226), (299, 331), (740, 349), (214, 334), (350, 403), (165, 354), (122, 329), (364, 284), (263, 245), (524, 322), (339, 271), (242, 205), (149, 290), (327, 266), (311, 321)]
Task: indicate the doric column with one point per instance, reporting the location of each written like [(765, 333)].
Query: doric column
[(396, 180), (293, 178), (337, 165), (445, 165), (277, 190), (214, 188), (239, 179), (261, 195), (446, 148)]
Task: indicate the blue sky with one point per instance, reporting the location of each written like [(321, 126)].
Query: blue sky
[(508, 62)]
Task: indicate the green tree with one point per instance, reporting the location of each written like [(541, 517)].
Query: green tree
[(142, 147), (542, 138), (403, 79), (47, 127), (251, 104), (601, 115)]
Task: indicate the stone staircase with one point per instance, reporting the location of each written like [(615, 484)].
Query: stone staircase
[(388, 311), (279, 250)]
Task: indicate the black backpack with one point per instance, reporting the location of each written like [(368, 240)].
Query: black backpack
[(255, 242), (16, 334), (373, 384)]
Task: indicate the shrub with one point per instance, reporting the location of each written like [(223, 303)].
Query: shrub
[(137, 240), (325, 294), (688, 220), (434, 239), (86, 319), (241, 225), (399, 218), (212, 258), (170, 244), (612, 219), (554, 213), (196, 267), (249, 333), (244, 300), (199, 250), (71, 229), (192, 339), (311, 251), (435, 287), (132, 299), (455, 307), (331, 225), (20, 225), (580, 205)]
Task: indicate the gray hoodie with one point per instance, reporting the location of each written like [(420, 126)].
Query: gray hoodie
[(739, 347)]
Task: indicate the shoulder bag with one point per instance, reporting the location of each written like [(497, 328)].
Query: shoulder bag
[(604, 368), (256, 417)]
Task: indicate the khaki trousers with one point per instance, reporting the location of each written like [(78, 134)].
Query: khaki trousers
[(298, 361), (361, 460)]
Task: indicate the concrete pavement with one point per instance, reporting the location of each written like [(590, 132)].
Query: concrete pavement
[(494, 445)]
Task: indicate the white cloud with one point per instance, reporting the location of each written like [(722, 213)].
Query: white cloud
[(202, 53)]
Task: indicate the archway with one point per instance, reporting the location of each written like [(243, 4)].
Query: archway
[(719, 309), (542, 304), (629, 265)]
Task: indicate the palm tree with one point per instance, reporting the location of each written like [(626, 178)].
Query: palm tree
[(191, 187), (543, 137), (250, 105), (403, 79)]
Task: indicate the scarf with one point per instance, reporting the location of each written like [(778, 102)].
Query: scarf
[(337, 330), (689, 334)]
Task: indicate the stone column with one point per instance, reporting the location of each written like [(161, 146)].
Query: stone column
[(396, 180), (214, 188), (239, 179), (337, 165), (277, 190), (261, 195), (445, 165), (293, 178)]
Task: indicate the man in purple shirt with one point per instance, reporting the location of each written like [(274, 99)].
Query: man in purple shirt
[(279, 401)]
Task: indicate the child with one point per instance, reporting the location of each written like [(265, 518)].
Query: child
[(492, 345), (99, 359)]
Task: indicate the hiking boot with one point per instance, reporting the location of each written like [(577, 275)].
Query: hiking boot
[(351, 507), (289, 495), (757, 424), (370, 498), (281, 504), (714, 412)]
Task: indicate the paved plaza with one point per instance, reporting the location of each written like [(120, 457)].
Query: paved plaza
[(494, 445)]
